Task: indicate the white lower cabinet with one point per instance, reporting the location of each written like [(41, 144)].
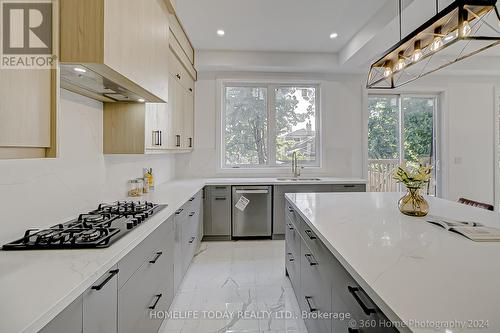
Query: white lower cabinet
[(70, 320), (99, 304), (150, 289)]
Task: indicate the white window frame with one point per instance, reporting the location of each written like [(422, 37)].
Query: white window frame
[(438, 120), (271, 166)]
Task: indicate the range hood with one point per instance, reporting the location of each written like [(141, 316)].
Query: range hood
[(86, 80)]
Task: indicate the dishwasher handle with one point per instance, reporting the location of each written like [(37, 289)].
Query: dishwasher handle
[(252, 191)]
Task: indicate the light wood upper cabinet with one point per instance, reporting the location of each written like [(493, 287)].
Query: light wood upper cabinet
[(135, 128), (181, 104), (25, 108), (124, 41)]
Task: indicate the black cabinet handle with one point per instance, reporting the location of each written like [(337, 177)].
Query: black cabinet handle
[(290, 256), (310, 234), (348, 186), (157, 256), (191, 214), (290, 209), (192, 199), (352, 330), (157, 299), (178, 76), (192, 240), (103, 283), (312, 261), (177, 212), (354, 292), (160, 141), (220, 187), (178, 138), (190, 142), (191, 89), (220, 198), (308, 301), (290, 226)]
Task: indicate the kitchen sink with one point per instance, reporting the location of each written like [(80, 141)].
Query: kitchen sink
[(297, 179)]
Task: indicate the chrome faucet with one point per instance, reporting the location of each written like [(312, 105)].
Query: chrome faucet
[(295, 165)]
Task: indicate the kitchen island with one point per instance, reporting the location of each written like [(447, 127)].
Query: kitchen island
[(385, 267)]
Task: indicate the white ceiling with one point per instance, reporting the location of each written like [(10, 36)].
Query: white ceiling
[(275, 25)]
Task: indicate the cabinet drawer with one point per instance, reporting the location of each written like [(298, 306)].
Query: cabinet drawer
[(292, 265), (143, 290), (220, 190), (143, 252), (349, 297), (314, 281), (292, 237), (294, 218), (349, 188)]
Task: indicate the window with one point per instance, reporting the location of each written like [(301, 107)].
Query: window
[(264, 124), (401, 129)]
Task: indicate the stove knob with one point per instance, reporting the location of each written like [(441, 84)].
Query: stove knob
[(130, 225), (135, 222)]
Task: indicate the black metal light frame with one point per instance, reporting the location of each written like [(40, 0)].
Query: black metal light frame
[(463, 13)]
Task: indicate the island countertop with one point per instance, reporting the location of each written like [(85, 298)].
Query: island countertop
[(417, 273)]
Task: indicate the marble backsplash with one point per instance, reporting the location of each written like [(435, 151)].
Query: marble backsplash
[(43, 192)]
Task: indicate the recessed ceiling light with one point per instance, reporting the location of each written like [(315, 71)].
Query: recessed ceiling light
[(334, 35), (142, 100), (221, 32), (79, 69)]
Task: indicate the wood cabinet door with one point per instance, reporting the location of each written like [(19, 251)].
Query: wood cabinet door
[(25, 108), (163, 119), (175, 114), (151, 133), (188, 141), (136, 42), (100, 304)]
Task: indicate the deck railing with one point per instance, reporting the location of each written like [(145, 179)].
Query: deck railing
[(381, 175)]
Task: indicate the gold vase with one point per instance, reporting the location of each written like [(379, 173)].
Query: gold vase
[(413, 203)]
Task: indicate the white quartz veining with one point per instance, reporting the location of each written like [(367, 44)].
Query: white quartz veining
[(417, 273)]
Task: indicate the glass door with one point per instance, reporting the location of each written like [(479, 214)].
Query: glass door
[(401, 130)]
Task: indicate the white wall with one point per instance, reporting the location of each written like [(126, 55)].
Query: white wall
[(341, 105), (43, 192), (468, 113)]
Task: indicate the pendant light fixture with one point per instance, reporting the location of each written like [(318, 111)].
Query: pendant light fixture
[(461, 30)]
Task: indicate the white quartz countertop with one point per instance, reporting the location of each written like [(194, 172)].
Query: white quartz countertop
[(37, 285), (417, 273)]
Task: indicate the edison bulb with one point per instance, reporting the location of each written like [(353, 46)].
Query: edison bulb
[(466, 29), (436, 44), (387, 72), (400, 65), (417, 55), (451, 36)]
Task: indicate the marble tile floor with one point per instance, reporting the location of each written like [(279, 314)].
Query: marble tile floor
[(236, 287)]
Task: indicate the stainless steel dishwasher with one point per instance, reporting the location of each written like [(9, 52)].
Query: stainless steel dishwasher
[(252, 211)]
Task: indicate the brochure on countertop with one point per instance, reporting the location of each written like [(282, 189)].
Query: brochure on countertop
[(472, 230)]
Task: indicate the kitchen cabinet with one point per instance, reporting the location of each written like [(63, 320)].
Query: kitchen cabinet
[(322, 285), (100, 304), (121, 44), (136, 128), (70, 320), (181, 105), (151, 287), (217, 221), (279, 199)]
